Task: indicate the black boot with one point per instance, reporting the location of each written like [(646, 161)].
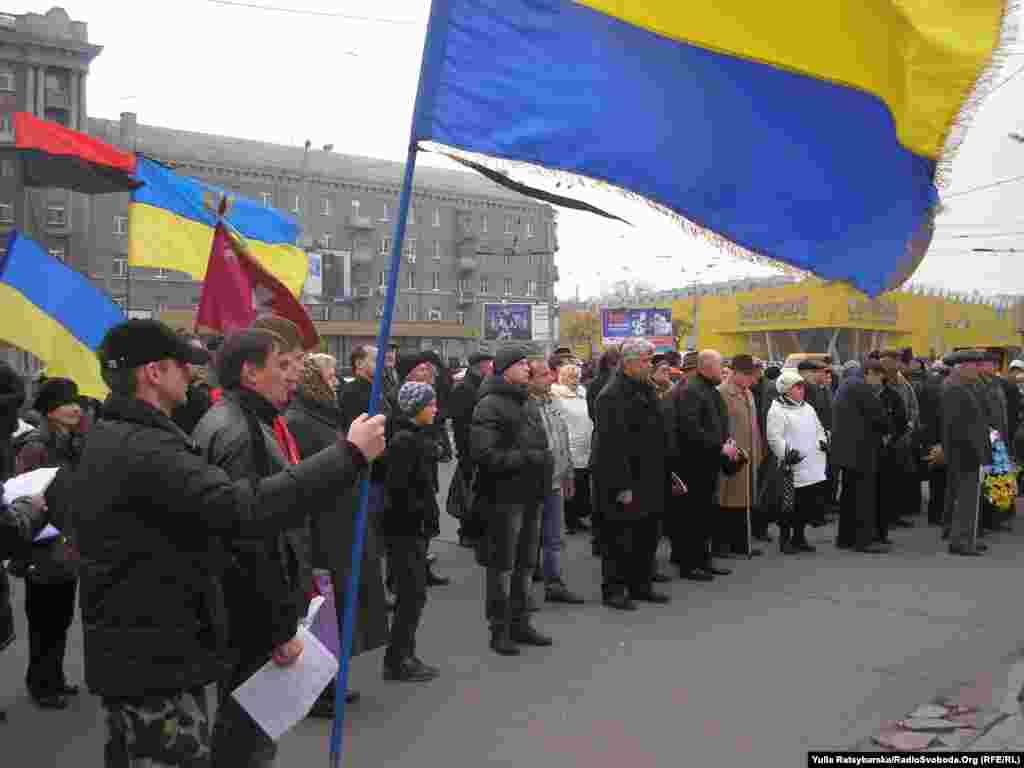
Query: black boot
[(524, 633), (501, 640), (786, 546)]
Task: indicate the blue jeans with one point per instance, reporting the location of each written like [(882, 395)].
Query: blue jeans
[(552, 522)]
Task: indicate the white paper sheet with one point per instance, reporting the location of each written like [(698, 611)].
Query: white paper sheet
[(279, 697), (32, 483)]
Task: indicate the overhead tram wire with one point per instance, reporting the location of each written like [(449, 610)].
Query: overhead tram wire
[(999, 183), (311, 12)]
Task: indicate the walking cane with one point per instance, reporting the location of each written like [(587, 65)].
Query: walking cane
[(750, 550)]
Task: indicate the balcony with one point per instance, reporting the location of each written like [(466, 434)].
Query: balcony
[(364, 223), (468, 263), (362, 252), (363, 291), (465, 298), (553, 274), (58, 99)]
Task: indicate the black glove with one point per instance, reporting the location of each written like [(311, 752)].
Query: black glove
[(823, 446)]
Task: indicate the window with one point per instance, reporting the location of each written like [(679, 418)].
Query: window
[(6, 126), (161, 274), (437, 217), (484, 288), (467, 224), (508, 286), (435, 315), (6, 213), (385, 245), (325, 241), (7, 167), (355, 207), (532, 258), (435, 281), (510, 223), (119, 267), (464, 285), (483, 224), (120, 225), (325, 206), (411, 313), (121, 301), (410, 246), (296, 206), (460, 317), (56, 216), (437, 250), (508, 259), (412, 215), (531, 287), (412, 281), (383, 281), (529, 227), (385, 215), (57, 253), (6, 80), (268, 199)]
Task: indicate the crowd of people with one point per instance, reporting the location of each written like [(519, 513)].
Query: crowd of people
[(213, 494)]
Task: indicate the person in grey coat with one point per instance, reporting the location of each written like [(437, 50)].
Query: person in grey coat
[(967, 448)]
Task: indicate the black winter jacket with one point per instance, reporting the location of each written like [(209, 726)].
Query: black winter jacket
[(632, 449), (412, 508), (860, 421), (702, 427), (353, 400), (509, 445), (265, 590), (965, 429), (149, 516), (463, 401)]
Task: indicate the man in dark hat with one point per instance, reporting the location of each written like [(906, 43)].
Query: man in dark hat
[(967, 448), (199, 397), (463, 401), (509, 446), (146, 512)]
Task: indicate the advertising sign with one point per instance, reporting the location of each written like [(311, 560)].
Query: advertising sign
[(652, 324), (314, 277), (508, 322)]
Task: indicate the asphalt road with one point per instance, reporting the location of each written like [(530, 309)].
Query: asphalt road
[(787, 654)]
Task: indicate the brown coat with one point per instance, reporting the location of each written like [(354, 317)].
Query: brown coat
[(743, 427)]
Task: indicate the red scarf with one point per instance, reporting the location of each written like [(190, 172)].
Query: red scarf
[(284, 438)]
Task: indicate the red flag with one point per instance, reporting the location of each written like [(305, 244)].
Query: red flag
[(237, 289)]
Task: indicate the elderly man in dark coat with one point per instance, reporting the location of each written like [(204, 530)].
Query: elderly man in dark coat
[(705, 449), (967, 448), (860, 423), (631, 479)]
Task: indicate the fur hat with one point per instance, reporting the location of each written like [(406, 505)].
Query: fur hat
[(54, 393), (787, 380)]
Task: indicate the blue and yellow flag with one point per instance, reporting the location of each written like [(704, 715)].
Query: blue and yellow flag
[(808, 132), (171, 224), (55, 313)]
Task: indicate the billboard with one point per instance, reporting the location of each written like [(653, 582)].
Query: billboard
[(508, 322), (649, 323)]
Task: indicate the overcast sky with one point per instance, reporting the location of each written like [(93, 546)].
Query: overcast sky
[(285, 77)]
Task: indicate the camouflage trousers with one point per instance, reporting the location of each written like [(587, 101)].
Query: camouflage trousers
[(159, 731)]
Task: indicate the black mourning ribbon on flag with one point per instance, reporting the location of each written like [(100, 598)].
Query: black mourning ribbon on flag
[(523, 189)]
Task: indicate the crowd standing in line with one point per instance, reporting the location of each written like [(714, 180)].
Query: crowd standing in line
[(257, 445)]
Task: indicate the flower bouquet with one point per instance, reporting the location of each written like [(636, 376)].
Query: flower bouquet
[(1000, 488)]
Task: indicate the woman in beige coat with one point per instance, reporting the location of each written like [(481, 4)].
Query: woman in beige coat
[(738, 492)]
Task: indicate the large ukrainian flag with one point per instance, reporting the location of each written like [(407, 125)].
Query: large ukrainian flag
[(171, 226), (55, 313), (808, 131)]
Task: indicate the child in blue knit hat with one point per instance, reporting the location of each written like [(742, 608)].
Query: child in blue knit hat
[(409, 519)]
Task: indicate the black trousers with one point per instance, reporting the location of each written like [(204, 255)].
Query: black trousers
[(50, 609), (238, 741), (808, 505), (579, 506), (690, 529), (729, 534), (627, 550), (407, 565), (936, 494), (859, 521)]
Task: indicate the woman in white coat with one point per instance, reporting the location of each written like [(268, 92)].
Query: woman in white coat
[(797, 439), (571, 398)]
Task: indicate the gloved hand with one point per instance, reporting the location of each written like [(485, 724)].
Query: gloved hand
[(793, 457)]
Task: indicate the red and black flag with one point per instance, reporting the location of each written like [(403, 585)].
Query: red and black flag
[(55, 156)]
